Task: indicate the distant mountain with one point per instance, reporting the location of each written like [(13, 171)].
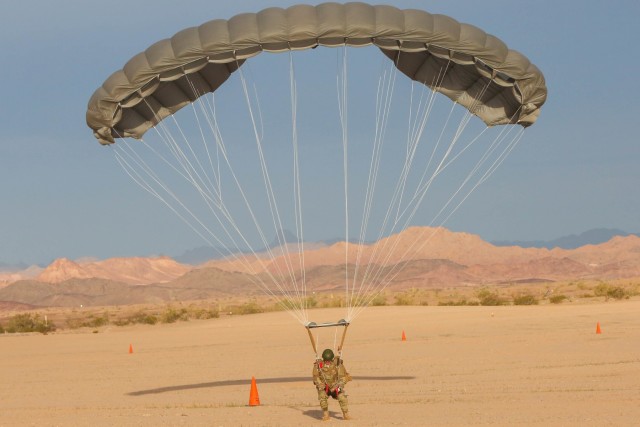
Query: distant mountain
[(10, 268), (200, 255), (134, 271), (573, 241), (447, 259)]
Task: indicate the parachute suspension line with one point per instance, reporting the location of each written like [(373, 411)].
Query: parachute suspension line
[(415, 135), (217, 135), (377, 277), (297, 190), (210, 114), (215, 172), (395, 270), (441, 76), (419, 126), (138, 179), (131, 171), (342, 82), (183, 161), (375, 282), (384, 97), (150, 172), (207, 196), (271, 196)]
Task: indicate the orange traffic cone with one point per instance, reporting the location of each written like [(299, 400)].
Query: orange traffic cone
[(598, 330), (404, 337), (130, 348), (254, 399)]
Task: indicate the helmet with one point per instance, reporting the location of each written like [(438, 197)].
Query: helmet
[(327, 355)]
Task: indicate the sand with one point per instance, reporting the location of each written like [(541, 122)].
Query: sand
[(460, 366)]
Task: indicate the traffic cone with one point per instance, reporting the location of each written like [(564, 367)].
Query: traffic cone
[(598, 330), (404, 337), (254, 399), (130, 348)]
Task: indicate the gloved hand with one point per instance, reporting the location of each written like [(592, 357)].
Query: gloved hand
[(337, 390)]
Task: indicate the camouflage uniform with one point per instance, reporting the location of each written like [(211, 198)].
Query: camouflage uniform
[(330, 378)]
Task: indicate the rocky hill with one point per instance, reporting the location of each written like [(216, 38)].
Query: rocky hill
[(417, 257)]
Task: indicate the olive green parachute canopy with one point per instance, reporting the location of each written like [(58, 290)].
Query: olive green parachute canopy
[(174, 72)]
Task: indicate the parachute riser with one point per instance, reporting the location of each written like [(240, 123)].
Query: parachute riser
[(313, 325)]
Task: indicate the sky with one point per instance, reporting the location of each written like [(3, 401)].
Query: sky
[(63, 195)]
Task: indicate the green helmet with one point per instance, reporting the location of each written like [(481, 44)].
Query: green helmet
[(327, 355)]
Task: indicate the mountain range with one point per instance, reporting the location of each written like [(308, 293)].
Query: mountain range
[(572, 241), (419, 257)]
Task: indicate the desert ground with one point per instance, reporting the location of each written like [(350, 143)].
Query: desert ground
[(460, 366)]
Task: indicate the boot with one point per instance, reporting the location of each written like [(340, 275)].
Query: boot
[(346, 416), (325, 415)]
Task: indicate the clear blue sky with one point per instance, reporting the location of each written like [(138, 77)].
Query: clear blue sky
[(62, 195)]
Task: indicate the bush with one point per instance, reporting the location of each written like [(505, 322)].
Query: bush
[(489, 298), (250, 308), (557, 299), (1, 329), (333, 302), (404, 299), (601, 290), (379, 300), (607, 291), (455, 303), (526, 299), (616, 293), (144, 318), (91, 322), (202, 313), (29, 323), (311, 302), (173, 315)]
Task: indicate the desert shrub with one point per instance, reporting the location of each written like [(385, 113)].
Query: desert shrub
[(333, 302), (90, 322), (172, 315), (144, 318), (29, 323), (202, 313), (284, 305), (1, 329), (250, 308), (489, 298), (601, 290), (526, 299), (311, 301), (616, 292), (608, 291), (137, 318), (379, 300), (557, 299), (404, 298), (459, 302), (581, 286)]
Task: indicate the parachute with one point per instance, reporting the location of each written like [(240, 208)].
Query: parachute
[(473, 69), (208, 54)]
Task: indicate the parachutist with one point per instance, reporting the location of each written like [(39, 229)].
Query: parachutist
[(330, 377)]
